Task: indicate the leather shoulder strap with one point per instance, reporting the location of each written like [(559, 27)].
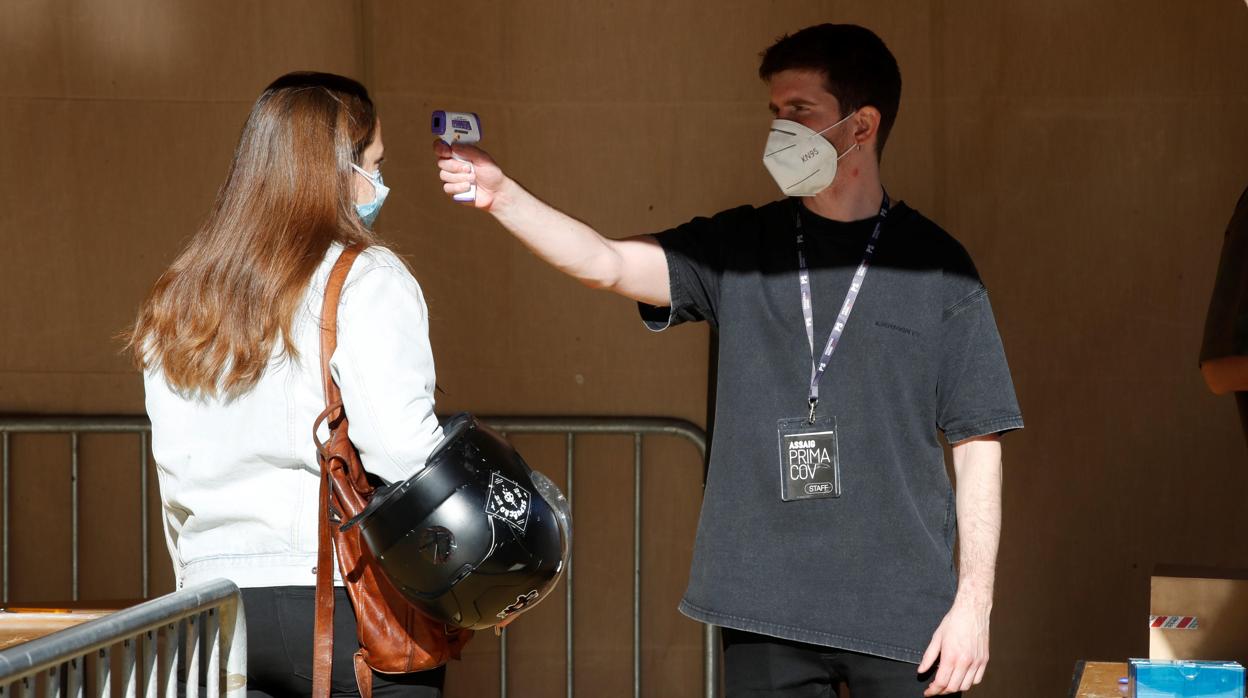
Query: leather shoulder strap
[(323, 643), (329, 317), (323, 639)]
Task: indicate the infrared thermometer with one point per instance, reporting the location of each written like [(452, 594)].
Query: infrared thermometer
[(458, 127)]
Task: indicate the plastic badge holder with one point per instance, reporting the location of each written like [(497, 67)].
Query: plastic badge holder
[(1178, 678)]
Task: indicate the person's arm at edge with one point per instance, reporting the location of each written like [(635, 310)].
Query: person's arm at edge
[(633, 267), (961, 640)]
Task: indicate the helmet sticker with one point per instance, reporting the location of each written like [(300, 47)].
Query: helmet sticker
[(521, 602), (508, 501)]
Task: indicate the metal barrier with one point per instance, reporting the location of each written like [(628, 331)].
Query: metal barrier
[(74, 426), (78, 661), (570, 428)]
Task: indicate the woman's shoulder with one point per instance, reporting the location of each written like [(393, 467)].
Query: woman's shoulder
[(374, 258), (378, 267), (379, 288), (379, 257)]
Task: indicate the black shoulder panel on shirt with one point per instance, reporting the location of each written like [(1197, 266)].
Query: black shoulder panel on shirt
[(943, 251)]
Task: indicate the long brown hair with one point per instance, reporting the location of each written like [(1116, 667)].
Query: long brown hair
[(211, 322)]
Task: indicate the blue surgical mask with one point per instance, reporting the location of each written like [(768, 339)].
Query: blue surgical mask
[(368, 212)]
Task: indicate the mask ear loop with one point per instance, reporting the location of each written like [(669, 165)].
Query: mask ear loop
[(372, 179), (820, 133), (855, 146), (367, 175)]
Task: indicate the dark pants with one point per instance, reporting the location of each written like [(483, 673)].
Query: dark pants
[(280, 624), (758, 665)]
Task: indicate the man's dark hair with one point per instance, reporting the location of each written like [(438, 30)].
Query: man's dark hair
[(858, 69)]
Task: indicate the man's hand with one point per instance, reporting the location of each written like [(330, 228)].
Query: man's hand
[(961, 644), (458, 176)]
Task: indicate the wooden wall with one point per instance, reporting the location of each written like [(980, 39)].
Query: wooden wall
[(1087, 154)]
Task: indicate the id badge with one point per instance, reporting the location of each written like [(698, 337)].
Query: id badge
[(810, 466)]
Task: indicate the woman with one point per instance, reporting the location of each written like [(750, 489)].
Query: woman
[(228, 342)]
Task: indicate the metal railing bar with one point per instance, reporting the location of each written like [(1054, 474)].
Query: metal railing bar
[(4, 483), (710, 679), (64, 424), (598, 425), (52, 683), (74, 684), (213, 631), (103, 671), (569, 676), (73, 514), (73, 678), (637, 565), (128, 673), (232, 635), (99, 634), (143, 532), (167, 658), (529, 425), (147, 673), (192, 656), (502, 663)]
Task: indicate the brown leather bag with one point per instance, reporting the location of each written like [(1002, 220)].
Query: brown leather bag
[(395, 638)]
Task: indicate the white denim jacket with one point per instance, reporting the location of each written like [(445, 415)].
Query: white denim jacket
[(239, 478)]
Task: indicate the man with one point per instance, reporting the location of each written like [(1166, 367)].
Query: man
[(1224, 352), (825, 542)]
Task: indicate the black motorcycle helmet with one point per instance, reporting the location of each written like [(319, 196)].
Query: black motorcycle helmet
[(476, 537)]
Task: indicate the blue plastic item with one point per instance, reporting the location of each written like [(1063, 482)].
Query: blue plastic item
[(1178, 678)]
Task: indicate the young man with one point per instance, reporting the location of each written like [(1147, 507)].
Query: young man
[(851, 329)]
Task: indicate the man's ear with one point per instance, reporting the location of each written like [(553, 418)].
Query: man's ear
[(866, 126)]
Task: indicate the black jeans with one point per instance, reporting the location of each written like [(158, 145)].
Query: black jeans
[(280, 624), (758, 665)]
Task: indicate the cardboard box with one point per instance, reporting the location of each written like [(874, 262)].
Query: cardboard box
[(1199, 613)]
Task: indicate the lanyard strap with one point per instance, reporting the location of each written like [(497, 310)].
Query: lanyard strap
[(803, 276)]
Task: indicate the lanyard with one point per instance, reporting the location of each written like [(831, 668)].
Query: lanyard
[(803, 276)]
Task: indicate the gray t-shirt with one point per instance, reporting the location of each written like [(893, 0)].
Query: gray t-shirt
[(872, 570)]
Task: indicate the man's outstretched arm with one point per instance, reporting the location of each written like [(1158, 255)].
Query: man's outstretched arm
[(633, 267), (961, 640)]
